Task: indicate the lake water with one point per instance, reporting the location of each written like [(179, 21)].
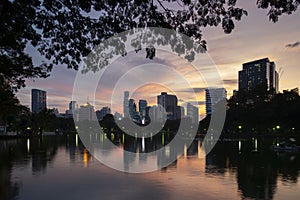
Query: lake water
[(59, 167)]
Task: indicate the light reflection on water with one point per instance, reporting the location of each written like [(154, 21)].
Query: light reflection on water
[(59, 167)]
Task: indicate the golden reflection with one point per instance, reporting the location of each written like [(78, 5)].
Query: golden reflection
[(143, 144), (76, 140), (185, 151), (28, 145), (167, 151), (85, 158), (112, 137), (201, 152), (137, 153)]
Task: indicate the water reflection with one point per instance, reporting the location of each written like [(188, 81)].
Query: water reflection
[(9, 188), (234, 169)]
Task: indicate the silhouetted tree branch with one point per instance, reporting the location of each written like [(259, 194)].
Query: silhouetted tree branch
[(65, 31)]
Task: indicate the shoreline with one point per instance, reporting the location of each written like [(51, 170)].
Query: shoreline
[(223, 137)]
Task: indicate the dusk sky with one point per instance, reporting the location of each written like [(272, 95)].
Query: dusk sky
[(254, 37)]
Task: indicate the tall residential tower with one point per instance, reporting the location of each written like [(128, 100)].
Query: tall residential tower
[(192, 113), (38, 100), (169, 103), (126, 105), (259, 74)]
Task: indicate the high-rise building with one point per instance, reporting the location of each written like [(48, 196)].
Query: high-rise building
[(182, 115), (212, 97), (169, 102), (142, 108), (179, 112), (72, 108), (102, 113), (156, 113), (86, 112), (276, 82), (192, 113), (259, 73), (72, 105), (38, 100), (132, 107), (126, 105), (132, 111)]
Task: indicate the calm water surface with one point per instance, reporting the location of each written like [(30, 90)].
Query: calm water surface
[(59, 167)]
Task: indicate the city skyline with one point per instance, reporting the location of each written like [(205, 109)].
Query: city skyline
[(202, 106), (252, 39), (141, 110)]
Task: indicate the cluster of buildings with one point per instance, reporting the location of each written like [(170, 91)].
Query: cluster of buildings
[(82, 112), (259, 73), (167, 108), (87, 112)]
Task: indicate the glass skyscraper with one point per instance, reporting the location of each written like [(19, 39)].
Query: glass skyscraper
[(212, 97)]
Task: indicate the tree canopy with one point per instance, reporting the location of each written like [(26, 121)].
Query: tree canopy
[(64, 31)]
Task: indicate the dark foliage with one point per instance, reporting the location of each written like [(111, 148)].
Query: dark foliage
[(278, 114), (64, 31)]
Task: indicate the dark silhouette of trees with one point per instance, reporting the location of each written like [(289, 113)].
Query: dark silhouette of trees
[(47, 121), (276, 115), (64, 31), (265, 115), (11, 111)]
